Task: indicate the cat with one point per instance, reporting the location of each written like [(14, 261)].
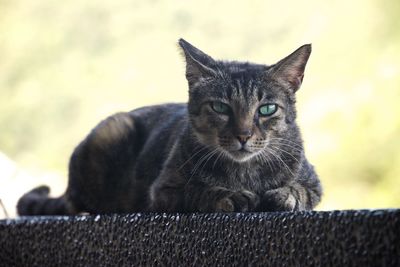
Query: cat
[(234, 147)]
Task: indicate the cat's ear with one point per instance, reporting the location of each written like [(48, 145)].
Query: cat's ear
[(290, 70), (198, 64)]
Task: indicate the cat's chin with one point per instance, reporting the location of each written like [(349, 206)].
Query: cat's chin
[(241, 156)]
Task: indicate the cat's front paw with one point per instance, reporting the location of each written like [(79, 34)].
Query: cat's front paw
[(239, 201), (280, 199)]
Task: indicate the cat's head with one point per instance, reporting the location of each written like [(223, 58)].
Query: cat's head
[(242, 109)]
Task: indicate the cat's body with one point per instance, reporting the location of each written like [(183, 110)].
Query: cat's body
[(234, 147)]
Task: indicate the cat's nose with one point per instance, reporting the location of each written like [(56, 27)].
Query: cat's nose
[(243, 137)]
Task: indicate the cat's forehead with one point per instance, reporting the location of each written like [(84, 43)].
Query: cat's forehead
[(238, 69), (247, 81), (244, 74)]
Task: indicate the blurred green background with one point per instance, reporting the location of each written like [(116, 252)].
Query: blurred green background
[(65, 65)]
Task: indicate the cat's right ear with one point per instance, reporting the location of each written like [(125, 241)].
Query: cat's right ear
[(198, 64)]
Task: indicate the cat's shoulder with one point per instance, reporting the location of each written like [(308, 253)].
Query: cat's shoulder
[(161, 112), (160, 109)]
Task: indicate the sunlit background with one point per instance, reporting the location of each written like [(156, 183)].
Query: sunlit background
[(65, 65)]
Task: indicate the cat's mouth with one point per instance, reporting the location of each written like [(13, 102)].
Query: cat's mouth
[(243, 150), (239, 150)]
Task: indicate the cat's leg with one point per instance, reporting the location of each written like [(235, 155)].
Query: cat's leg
[(167, 191), (297, 195), (101, 167), (173, 194), (175, 190), (205, 198)]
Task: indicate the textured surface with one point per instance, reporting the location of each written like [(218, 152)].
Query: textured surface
[(337, 238)]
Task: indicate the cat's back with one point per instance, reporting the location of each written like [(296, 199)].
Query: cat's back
[(150, 119)]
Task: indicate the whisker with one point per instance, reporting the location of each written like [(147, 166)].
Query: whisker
[(221, 153), (288, 153), (212, 155), (286, 140), (287, 145), (200, 161), (265, 158), (198, 164), (280, 159), (193, 155)]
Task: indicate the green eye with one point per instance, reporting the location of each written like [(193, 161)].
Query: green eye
[(220, 107), (267, 109)]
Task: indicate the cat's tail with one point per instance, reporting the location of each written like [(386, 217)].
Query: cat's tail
[(38, 202)]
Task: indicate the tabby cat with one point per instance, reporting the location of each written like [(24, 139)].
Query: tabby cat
[(234, 147)]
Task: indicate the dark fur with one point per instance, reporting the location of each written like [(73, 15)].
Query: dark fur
[(163, 158)]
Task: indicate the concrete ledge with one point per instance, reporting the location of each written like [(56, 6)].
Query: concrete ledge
[(336, 238)]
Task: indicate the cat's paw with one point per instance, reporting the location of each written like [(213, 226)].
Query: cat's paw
[(280, 199), (239, 201)]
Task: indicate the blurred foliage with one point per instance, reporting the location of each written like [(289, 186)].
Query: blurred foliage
[(64, 66)]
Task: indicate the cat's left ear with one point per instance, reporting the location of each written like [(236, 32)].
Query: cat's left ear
[(290, 70), (198, 64)]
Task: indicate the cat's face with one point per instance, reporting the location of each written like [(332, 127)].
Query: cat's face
[(242, 110), (239, 118)]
